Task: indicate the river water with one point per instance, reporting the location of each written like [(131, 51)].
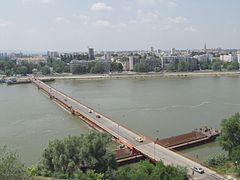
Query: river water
[(155, 107)]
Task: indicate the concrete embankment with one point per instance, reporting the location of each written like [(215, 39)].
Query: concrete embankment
[(142, 75)]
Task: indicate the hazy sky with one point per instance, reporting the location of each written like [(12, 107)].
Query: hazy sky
[(73, 25)]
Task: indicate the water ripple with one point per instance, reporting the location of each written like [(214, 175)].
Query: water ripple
[(181, 106)]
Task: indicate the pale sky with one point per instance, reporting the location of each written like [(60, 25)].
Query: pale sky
[(73, 25)]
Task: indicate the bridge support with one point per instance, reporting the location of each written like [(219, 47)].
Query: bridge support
[(134, 151), (72, 110)]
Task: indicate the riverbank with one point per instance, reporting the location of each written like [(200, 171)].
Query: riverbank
[(138, 75)]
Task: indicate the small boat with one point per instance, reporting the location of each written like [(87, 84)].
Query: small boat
[(11, 81)]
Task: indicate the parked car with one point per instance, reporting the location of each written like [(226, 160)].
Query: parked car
[(90, 111), (139, 139), (198, 169)]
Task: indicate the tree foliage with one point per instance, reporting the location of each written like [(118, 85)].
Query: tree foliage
[(233, 66), (235, 157), (63, 158), (217, 66), (79, 69), (98, 68), (218, 160), (141, 67), (205, 65), (146, 170), (116, 67), (10, 166), (230, 135), (45, 70)]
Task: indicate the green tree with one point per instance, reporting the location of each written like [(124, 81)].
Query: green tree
[(205, 65), (217, 66), (66, 69), (58, 65), (98, 68), (89, 175), (22, 70), (10, 166), (172, 67), (79, 69), (141, 67), (157, 69), (120, 67), (146, 170), (233, 66), (235, 157), (116, 67), (64, 158), (218, 160), (45, 70), (230, 134), (182, 66)]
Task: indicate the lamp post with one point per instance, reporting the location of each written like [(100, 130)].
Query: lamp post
[(154, 150), (118, 132), (157, 131)]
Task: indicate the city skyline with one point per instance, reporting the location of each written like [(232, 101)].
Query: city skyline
[(41, 25)]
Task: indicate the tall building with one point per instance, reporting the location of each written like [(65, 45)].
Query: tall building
[(107, 56), (173, 51), (52, 54), (152, 49), (91, 53), (131, 63)]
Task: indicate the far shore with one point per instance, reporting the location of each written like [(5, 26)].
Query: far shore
[(139, 75)]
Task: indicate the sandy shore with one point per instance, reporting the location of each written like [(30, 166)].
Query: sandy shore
[(138, 75)]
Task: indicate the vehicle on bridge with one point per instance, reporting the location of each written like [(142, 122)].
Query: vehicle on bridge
[(139, 139), (98, 116), (198, 169)]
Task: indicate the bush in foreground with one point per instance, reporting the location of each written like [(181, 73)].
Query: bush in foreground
[(10, 166), (64, 158)]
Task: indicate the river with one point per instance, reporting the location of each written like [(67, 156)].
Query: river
[(155, 107)]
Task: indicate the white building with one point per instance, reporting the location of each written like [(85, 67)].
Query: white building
[(204, 58), (34, 60), (226, 58), (238, 58), (131, 63)]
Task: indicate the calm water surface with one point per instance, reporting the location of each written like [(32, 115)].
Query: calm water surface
[(155, 107)]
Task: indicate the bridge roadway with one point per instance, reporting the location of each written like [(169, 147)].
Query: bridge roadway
[(127, 136)]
